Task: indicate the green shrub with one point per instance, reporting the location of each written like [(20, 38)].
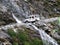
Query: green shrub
[(26, 43), (37, 41), (11, 33), (23, 38), (15, 43)]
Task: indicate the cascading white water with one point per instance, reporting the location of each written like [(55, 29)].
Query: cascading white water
[(47, 40), (17, 20)]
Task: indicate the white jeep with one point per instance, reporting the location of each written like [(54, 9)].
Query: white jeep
[(32, 18)]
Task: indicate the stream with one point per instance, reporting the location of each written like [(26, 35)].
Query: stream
[(16, 10), (46, 39)]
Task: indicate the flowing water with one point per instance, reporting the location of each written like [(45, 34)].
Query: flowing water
[(17, 20), (47, 40), (12, 5)]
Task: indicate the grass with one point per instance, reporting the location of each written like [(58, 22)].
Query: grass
[(23, 38)]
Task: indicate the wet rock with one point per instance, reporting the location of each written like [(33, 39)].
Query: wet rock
[(23, 8), (3, 35)]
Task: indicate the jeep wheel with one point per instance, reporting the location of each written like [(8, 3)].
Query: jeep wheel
[(36, 20), (26, 22)]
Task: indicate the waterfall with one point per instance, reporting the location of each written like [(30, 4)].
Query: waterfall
[(12, 5), (17, 20), (47, 40)]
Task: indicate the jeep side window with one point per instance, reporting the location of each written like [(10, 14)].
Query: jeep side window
[(35, 16), (29, 17), (32, 16)]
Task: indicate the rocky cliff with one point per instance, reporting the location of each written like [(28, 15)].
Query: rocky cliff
[(22, 8)]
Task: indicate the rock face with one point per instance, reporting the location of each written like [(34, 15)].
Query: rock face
[(5, 18), (23, 8)]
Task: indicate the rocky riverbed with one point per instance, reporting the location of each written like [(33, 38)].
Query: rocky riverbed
[(22, 9)]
